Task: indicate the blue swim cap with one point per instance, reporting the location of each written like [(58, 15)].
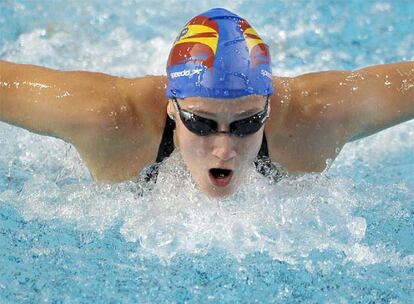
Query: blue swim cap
[(218, 55)]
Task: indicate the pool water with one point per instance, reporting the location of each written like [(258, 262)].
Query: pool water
[(344, 236)]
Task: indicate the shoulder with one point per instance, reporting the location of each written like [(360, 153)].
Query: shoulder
[(127, 139), (302, 130), (318, 100), (146, 100)]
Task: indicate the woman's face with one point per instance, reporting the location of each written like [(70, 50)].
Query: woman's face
[(218, 161)]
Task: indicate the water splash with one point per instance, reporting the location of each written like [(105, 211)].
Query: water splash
[(287, 220)]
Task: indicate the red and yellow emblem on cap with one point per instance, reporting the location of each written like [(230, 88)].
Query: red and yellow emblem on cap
[(197, 42), (258, 49)]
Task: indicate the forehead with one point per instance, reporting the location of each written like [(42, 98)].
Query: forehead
[(216, 106)]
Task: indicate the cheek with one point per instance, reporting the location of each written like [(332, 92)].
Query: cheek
[(250, 145), (190, 145)]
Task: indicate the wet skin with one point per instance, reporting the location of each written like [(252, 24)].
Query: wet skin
[(116, 124)]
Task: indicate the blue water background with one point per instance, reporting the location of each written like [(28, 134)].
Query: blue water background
[(65, 239)]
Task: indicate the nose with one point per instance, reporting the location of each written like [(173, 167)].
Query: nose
[(223, 147)]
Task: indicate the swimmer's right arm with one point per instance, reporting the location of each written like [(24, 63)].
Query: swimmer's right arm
[(51, 102), (115, 123)]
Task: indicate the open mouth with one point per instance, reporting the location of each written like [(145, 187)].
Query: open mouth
[(220, 177)]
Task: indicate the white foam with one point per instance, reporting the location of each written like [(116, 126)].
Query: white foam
[(287, 220)]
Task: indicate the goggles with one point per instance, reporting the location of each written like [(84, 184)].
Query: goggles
[(203, 126)]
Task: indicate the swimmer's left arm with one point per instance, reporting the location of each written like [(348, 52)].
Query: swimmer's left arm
[(386, 98), (362, 102)]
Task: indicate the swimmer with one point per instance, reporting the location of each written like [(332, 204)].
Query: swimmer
[(219, 105)]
